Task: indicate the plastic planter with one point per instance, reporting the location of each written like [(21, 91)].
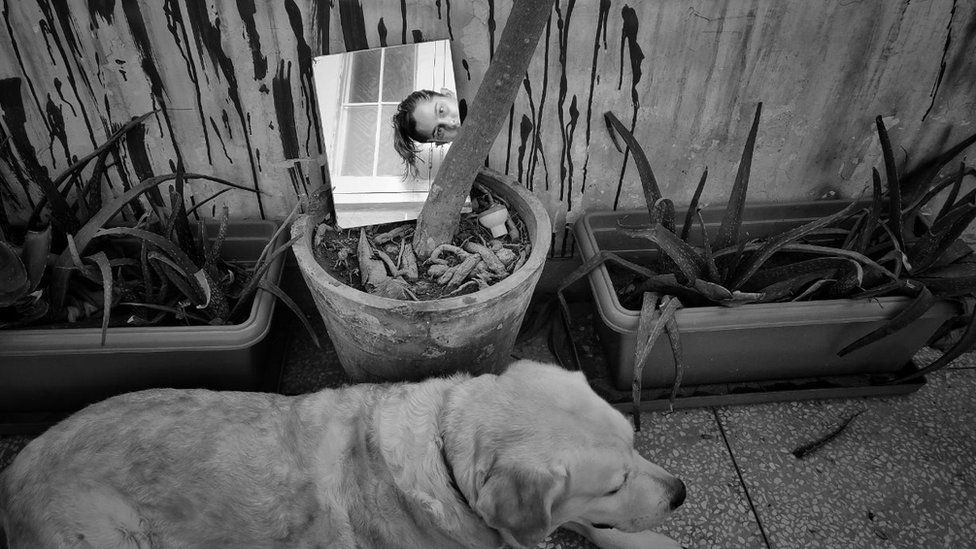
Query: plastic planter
[(62, 369), (378, 338), (750, 343)]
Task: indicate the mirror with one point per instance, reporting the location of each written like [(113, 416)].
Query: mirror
[(358, 93)]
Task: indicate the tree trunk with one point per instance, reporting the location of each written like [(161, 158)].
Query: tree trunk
[(441, 214)]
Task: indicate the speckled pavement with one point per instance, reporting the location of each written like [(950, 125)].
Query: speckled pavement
[(902, 475)]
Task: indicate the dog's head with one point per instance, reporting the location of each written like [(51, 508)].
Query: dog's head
[(547, 450)]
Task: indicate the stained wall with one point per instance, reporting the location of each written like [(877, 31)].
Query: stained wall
[(231, 82)]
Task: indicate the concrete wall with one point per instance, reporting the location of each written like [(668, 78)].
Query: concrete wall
[(233, 83)]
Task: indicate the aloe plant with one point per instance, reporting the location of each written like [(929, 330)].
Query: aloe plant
[(861, 251), (169, 275)]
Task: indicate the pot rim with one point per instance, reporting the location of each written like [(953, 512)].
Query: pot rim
[(529, 207)]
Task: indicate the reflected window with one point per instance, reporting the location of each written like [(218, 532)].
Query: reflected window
[(377, 81)]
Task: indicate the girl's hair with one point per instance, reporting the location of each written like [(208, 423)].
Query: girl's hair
[(405, 136)]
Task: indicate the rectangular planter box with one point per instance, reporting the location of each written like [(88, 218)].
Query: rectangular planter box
[(756, 342), (52, 370)]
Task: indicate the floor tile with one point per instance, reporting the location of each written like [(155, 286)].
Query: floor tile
[(902, 474)]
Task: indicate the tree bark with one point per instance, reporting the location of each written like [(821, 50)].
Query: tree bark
[(441, 214)]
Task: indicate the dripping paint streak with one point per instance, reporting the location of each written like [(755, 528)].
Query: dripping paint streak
[(216, 130), (141, 38), (418, 36), (601, 30), (20, 60), (565, 129), (629, 35), (15, 118), (537, 149), (322, 15), (467, 70), (57, 86), (354, 25), (285, 110), (209, 34), (305, 76), (491, 29), (526, 123), (525, 128), (47, 43), (381, 30), (101, 9), (174, 19), (450, 30), (226, 120), (247, 10), (942, 64), (56, 118), (403, 21), (63, 13)]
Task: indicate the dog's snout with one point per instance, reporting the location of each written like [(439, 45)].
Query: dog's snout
[(678, 494)]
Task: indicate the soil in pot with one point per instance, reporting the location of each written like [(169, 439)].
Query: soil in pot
[(340, 253)]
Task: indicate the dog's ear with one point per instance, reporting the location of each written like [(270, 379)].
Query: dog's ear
[(518, 504)]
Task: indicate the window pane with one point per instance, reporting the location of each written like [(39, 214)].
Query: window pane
[(364, 80), (389, 162), (360, 139), (398, 72)]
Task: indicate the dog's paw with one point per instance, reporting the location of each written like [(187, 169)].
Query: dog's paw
[(611, 538)]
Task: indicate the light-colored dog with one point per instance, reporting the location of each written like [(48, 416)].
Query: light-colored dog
[(454, 462)]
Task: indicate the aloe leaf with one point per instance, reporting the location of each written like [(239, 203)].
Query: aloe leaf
[(199, 284), (648, 331), (90, 197), (693, 207), (785, 288), (728, 233), (964, 344), (778, 242), (952, 280), (712, 291), (277, 292), (101, 260), (943, 233), (689, 263), (912, 312), (894, 185), (296, 209), (710, 265), (665, 209), (212, 253), (937, 187), (953, 192), (181, 312), (13, 275), (648, 182), (258, 272), (825, 250), (918, 179), (669, 318), (37, 246), (205, 200), (874, 218), (824, 266), (59, 283)]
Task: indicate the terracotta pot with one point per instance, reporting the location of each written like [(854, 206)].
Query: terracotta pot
[(378, 338)]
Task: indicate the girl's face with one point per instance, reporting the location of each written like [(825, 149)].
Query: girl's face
[(437, 118)]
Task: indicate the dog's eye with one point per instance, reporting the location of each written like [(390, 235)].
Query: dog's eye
[(618, 488)]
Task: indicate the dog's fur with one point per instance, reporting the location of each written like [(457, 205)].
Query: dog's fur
[(452, 462)]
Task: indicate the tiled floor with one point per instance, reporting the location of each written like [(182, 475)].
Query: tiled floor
[(903, 474)]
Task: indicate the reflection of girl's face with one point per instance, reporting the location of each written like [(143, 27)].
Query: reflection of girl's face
[(437, 118)]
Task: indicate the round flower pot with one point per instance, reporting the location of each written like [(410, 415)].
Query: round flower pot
[(378, 338)]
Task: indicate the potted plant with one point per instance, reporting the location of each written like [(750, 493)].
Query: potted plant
[(382, 337), (91, 307), (781, 291)]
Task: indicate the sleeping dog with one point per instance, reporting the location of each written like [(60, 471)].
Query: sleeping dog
[(472, 462)]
